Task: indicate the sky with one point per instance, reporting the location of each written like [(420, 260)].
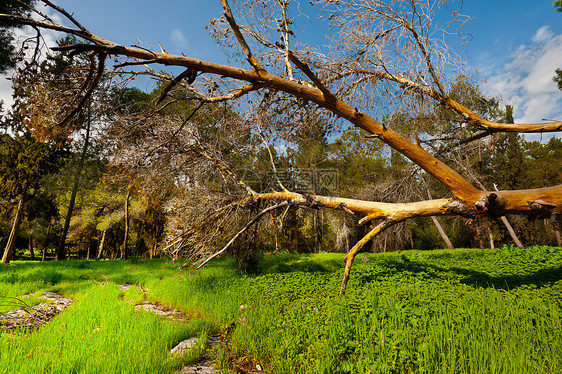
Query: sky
[(512, 47)]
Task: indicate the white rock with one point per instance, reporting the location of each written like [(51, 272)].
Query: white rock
[(183, 346)]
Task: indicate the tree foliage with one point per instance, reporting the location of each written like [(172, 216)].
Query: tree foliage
[(24, 162)]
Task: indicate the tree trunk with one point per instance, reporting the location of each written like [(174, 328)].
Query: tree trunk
[(442, 233), (479, 236), (317, 214), (438, 225), (491, 236), (30, 246), (44, 252), (511, 232), (317, 231), (509, 227), (15, 228), (276, 239), (61, 253), (467, 200), (124, 246), (555, 222), (102, 241)]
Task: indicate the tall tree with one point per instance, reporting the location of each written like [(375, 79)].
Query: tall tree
[(60, 102), (386, 56), (61, 248)]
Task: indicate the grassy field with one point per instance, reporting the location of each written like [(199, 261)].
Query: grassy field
[(461, 311)]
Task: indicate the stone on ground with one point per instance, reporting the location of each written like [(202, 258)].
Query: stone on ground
[(35, 316)]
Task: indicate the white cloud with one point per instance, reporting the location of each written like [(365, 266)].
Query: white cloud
[(542, 34), (179, 39), (5, 92), (525, 81)]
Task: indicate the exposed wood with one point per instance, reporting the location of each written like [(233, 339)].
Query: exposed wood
[(503, 127), (469, 116), (458, 186), (102, 243), (510, 228), (438, 226), (511, 231), (358, 247), (249, 55), (491, 237)]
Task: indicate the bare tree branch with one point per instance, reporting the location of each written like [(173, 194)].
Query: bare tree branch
[(234, 26), (243, 230)]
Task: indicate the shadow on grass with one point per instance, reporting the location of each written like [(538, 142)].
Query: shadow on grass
[(310, 263), (392, 267)]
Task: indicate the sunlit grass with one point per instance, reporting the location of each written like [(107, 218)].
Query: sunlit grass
[(98, 334), (462, 311)]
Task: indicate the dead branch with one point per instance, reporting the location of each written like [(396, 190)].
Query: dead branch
[(234, 26), (243, 230), (358, 247), (190, 74), (93, 85), (271, 160)]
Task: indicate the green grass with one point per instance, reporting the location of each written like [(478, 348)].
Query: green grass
[(99, 334), (461, 311)]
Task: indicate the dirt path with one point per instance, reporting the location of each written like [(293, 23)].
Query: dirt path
[(204, 366), (32, 317)]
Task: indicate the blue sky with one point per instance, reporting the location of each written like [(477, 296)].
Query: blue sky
[(513, 48)]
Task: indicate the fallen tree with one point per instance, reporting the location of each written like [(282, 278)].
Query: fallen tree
[(385, 53)]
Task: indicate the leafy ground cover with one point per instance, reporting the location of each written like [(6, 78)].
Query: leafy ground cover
[(461, 311)]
